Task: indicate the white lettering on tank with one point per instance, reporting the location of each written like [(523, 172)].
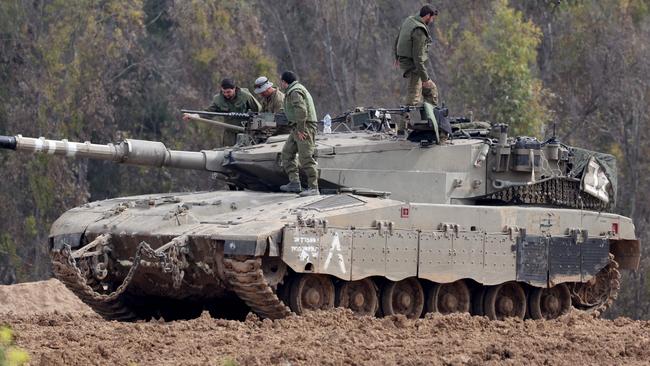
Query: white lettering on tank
[(304, 239), (305, 252)]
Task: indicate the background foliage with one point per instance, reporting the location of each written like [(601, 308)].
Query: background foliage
[(105, 70)]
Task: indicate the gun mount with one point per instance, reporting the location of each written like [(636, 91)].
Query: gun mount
[(256, 127)]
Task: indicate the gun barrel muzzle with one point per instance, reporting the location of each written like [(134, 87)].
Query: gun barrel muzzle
[(8, 142)]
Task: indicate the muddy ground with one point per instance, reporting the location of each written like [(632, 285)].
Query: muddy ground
[(57, 329)]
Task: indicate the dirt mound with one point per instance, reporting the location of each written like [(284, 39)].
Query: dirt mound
[(57, 329), (335, 337), (39, 297)]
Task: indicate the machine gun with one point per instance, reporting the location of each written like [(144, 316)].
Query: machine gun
[(370, 118), (256, 127), (426, 122)]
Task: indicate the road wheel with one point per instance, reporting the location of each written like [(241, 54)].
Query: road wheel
[(447, 298), (360, 296), (549, 303), (405, 297), (311, 292), (507, 300)]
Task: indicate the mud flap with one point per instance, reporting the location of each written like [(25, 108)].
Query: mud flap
[(239, 247)]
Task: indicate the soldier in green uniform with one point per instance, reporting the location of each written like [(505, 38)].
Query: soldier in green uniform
[(231, 99), (301, 113), (272, 100), (410, 49)]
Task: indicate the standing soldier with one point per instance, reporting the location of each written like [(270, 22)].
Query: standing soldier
[(272, 101), (231, 99), (411, 47), (301, 113)]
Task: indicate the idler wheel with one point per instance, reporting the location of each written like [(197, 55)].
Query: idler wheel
[(405, 297), (507, 300), (311, 292), (549, 303), (447, 298), (360, 296)]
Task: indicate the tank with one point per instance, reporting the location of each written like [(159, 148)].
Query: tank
[(452, 216)]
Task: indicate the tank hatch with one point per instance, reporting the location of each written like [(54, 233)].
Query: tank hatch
[(334, 202)]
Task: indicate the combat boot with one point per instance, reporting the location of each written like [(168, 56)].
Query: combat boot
[(310, 192), (293, 187)]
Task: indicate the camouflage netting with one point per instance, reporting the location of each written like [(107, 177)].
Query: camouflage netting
[(580, 158)]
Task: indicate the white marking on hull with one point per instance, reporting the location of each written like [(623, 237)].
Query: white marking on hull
[(335, 248)]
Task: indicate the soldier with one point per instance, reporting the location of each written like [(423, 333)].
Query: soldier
[(410, 49), (231, 99), (301, 113), (271, 98), (272, 101)]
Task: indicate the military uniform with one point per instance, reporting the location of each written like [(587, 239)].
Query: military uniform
[(301, 113), (411, 51), (274, 103), (243, 101)]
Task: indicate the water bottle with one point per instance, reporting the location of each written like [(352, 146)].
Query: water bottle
[(327, 124)]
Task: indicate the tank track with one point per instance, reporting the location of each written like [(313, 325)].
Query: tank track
[(246, 279), (609, 276), (556, 192), (109, 306)]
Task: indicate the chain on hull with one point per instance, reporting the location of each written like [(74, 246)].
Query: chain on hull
[(556, 192), (246, 279), (109, 306)]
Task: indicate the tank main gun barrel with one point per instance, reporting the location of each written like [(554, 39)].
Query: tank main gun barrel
[(133, 152), (8, 142)]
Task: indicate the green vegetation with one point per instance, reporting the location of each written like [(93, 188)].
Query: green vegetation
[(9, 256), (228, 361), (10, 355), (493, 74)]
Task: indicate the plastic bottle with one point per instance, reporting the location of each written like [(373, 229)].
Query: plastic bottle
[(327, 124)]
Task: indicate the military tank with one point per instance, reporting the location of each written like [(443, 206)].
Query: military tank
[(451, 216)]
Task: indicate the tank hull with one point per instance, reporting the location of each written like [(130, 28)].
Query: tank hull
[(275, 253)]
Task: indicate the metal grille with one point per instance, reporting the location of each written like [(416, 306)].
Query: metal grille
[(595, 255), (334, 202)]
